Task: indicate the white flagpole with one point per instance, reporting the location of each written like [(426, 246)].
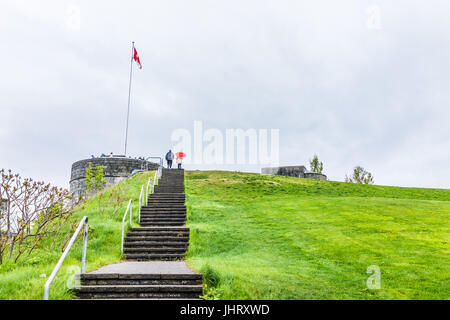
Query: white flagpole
[(129, 94)]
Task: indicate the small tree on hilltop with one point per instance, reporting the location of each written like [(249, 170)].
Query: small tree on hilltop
[(95, 182), (316, 165), (360, 176), (94, 179)]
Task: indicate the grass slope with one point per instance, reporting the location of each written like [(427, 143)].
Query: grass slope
[(271, 237), (24, 281)]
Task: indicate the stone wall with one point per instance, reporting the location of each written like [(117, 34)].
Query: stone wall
[(115, 170), (293, 171)]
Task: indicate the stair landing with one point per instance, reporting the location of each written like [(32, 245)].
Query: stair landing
[(152, 267)]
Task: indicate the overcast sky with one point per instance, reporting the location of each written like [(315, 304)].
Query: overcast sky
[(334, 77)]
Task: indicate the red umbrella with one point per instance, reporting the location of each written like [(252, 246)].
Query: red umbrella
[(181, 154)]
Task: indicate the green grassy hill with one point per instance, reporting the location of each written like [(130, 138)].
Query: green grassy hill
[(26, 279), (270, 237)]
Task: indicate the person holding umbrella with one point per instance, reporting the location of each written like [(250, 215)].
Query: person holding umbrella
[(180, 156)]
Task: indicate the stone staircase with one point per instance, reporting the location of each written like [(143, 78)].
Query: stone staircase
[(162, 236)]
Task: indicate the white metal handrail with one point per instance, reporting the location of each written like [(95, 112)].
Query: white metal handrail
[(141, 201), (148, 190), (156, 178), (130, 208), (66, 251)]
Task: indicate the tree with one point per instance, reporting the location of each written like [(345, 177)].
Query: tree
[(360, 176), (94, 179), (95, 182), (316, 165), (31, 211)]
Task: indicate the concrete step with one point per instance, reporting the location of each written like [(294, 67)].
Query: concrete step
[(168, 194), (131, 239), (186, 229), (146, 257), (177, 192), (162, 203), (164, 211), (156, 220), (159, 204), (146, 299), (163, 216), (158, 233), (170, 181), (162, 219), (162, 223), (143, 288), (156, 244), (151, 200), (168, 201), (168, 186), (140, 279), (168, 213), (140, 291), (167, 217), (154, 209), (155, 250), (178, 197), (177, 222)]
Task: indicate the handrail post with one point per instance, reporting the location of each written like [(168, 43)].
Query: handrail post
[(149, 184), (83, 259), (141, 201), (121, 244), (131, 212), (139, 212), (129, 207)]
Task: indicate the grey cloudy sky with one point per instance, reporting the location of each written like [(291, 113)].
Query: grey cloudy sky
[(353, 94)]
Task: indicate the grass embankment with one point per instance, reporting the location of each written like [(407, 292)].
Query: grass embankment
[(270, 237), (26, 279)]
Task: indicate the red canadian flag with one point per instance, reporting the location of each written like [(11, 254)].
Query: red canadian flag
[(136, 58)]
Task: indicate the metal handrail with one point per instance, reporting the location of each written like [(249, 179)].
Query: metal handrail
[(156, 177), (160, 160), (149, 184), (66, 251), (130, 206), (141, 201)]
